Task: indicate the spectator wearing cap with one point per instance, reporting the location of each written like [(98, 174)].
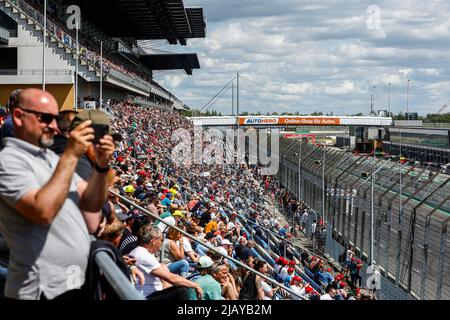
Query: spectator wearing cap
[(128, 242), (296, 287), (173, 257), (211, 288), (277, 268), (174, 190), (289, 276), (284, 270), (306, 292), (167, 201), (150, 240), (129, 190), (228, 246), (354, 268), (169, 220)]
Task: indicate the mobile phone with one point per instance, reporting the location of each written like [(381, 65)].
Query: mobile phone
[(100, 131)]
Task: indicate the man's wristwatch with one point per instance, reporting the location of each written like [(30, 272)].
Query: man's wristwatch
[(100, 169)]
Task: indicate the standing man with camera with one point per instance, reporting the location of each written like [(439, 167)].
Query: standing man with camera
[(46, 210)]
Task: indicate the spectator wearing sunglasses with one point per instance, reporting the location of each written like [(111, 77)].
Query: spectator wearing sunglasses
[(46, 210)]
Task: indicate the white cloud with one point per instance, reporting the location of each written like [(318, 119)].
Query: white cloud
[(297, 54)]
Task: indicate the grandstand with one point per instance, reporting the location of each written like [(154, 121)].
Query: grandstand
[(254, 237), (127, 69)]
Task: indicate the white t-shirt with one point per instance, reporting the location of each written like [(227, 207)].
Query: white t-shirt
[(170, 220), (266, 288), (326, 297), (187, 245), (297, 290), (284, 273), (146, 262), (230, 225)]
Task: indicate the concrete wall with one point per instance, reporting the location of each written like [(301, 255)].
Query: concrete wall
[(29, 62), (63, 93)]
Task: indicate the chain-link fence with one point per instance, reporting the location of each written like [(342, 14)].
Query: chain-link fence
[(411, 212)]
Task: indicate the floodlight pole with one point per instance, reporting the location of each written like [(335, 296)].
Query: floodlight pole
[(323, 184), (389, 100), (300, 170), (44, 32), (372, 208)]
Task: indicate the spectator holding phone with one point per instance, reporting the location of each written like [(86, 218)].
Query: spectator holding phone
[(46, 210)]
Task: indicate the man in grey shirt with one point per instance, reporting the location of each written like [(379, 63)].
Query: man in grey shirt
[(46, 210)]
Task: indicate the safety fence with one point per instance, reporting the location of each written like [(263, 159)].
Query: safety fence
[(411, 211)]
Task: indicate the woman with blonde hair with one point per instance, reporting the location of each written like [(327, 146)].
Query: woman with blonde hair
[(173, 253)]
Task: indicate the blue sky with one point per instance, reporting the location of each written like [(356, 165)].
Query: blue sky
[(319, 55)]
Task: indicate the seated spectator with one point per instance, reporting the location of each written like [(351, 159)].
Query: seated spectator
[(329, 295), (252, 287), (296, 286), (211, 288), (128, 242), (244, 251), (174, 253), (150, 240), (221, 273), (113, 233)]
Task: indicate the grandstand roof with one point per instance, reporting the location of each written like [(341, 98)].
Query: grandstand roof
[(145, 19), (187, 61)]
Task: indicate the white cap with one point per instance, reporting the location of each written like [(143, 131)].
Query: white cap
[(204, 262), (226, 242), (222, 250)]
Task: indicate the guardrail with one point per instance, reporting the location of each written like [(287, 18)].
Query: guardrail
[(116, 278), (35, 72)]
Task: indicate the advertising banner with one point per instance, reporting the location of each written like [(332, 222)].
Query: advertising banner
[(297, 121)]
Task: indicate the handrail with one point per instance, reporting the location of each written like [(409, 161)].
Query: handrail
[(116, 278), (33, 72), (148, 213)]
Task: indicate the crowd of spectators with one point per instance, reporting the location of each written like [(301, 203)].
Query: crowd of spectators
[(224, 208)]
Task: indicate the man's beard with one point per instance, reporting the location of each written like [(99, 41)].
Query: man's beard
[(46, 142)]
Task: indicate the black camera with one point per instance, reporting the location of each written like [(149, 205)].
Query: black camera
[(100, 131)]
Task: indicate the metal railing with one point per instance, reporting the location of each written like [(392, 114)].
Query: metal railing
[(121, 285), (35, 72)]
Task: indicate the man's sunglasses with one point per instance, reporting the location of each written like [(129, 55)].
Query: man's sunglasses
[(46, 118)]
